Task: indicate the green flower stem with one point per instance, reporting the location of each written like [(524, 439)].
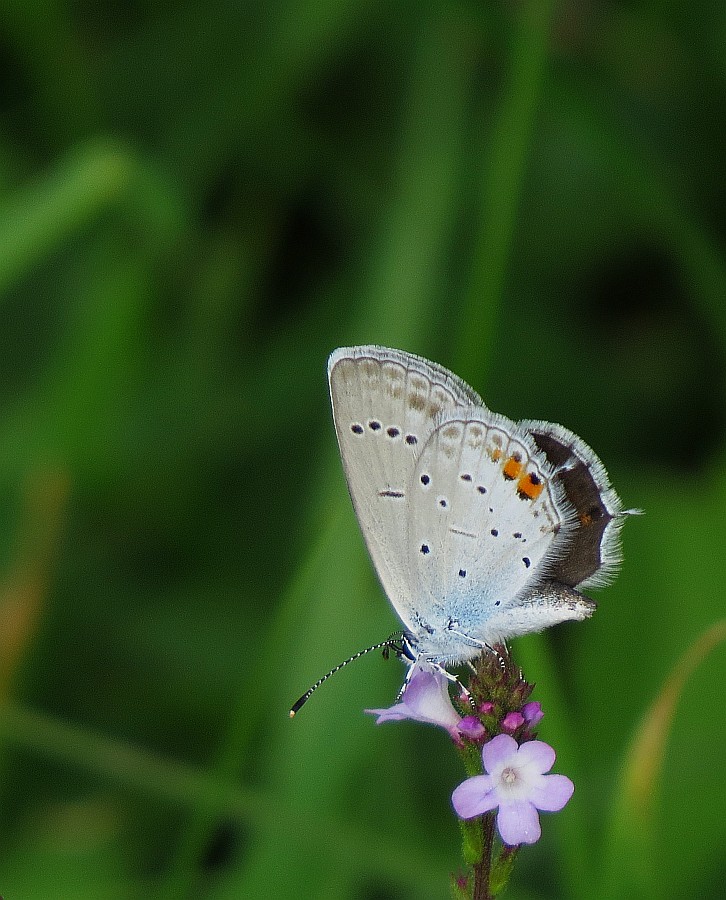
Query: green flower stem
[(478, 841), (483, 868), (490, 878)]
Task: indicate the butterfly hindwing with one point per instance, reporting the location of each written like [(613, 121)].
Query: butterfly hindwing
[(593, 555), (486, 521)]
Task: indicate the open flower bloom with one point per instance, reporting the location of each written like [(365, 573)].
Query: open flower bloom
[(426, 699), (516, 783)]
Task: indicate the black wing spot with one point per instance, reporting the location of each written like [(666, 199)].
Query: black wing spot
[(527, 562), (517, 535), (425, 479), (443, 503), (465, 477), (411, 439), (494, 532), (462, 573), (392, 432), (497, 602), (374, 425), (425, 549), (356, 428), (481, 489)]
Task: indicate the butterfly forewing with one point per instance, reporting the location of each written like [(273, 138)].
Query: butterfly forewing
[(385, 405)]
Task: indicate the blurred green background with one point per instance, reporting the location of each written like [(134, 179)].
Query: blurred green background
[(199, 202)]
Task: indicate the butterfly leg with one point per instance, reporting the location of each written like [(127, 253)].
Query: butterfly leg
[(462, 687)]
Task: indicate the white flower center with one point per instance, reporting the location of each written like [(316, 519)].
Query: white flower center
[(515, 782)]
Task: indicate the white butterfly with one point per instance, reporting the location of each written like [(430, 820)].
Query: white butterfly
[(480, 528)]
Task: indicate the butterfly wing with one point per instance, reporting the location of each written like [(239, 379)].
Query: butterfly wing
[(487, 527), (479, 528), (593, 554), (385, 406)]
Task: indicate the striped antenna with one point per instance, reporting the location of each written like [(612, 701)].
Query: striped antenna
[(394, 642)]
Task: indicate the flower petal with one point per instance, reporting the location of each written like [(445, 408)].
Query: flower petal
[(537, 754), (474, 796), (421, 685), (532, 713), (392, 714), (472, 728), (425, 699), (512, 721), (518, 823), (552, 793), (499, 751)]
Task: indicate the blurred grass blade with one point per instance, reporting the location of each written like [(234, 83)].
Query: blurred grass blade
[(630, 860), (504, 171), (25, 584), (645, 761), (40, 217)]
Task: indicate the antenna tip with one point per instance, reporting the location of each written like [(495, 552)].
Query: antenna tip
[(292, 713)]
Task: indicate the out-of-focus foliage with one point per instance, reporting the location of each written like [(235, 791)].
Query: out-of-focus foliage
[(199, 202)]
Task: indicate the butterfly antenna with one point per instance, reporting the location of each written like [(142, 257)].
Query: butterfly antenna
[(392, 643)]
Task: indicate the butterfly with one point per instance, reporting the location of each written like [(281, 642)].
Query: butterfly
[(480, 528)]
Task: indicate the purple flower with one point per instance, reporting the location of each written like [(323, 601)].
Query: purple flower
[(512, 721), (532, 713), (472, 728), (426, 699), (516, 783)]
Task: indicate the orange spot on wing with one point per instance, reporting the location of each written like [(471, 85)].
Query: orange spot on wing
[(512, 468), (496, 454), (530, 486)]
